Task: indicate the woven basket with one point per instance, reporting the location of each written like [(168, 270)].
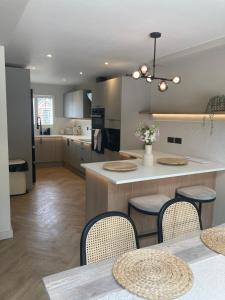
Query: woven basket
[(153, 274), (214, 239)]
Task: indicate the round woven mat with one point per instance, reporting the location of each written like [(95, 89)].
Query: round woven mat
[(153, 274), (214, 239)]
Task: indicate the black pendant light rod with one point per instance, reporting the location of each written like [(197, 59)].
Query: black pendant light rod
[(154, 58), (156, 35)]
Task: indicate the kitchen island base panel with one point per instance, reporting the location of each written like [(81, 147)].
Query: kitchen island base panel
[(102, 195)]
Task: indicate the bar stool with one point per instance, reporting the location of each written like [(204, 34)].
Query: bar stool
[(198, 193), (148, 205)]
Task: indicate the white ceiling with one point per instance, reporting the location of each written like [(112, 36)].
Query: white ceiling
[(82, 35)]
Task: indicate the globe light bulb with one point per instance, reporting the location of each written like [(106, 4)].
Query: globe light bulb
[(144, 69), (136, 74), (149, 79), (176, 79), (163, 86)]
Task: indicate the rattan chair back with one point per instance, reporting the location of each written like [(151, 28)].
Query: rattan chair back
[(106, 236), (178, 217)]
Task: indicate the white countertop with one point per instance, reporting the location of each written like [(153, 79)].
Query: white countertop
[(80, 138), (156, 171)]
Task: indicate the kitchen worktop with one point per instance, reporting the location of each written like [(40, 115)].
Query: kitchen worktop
[(157, 171), (80, 138)]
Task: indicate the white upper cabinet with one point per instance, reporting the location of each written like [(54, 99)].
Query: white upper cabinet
[(77, 105)]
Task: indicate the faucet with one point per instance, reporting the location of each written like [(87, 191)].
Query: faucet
[(39, 126)]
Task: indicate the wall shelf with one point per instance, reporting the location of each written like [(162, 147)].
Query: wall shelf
[(185, 116)]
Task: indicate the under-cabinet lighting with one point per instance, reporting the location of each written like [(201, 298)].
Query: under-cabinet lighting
[(187, 116)]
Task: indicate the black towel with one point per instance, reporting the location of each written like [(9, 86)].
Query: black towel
[(111, 138)]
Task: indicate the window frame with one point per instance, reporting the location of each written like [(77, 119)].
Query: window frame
[(35, 108)]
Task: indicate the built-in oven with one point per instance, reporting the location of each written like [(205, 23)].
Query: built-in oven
[(98, 124)]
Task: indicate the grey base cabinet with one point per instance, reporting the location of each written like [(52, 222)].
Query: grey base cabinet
[(63, 150), (48, 149)]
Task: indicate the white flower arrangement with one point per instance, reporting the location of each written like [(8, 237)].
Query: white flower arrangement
[(147, 134)]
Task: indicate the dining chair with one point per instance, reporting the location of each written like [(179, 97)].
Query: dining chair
[(106, 236), (178, 217)]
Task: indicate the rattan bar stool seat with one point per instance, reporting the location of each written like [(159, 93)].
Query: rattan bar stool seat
[(149, 203), (197, 193)]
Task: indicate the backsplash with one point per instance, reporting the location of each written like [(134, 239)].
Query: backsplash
[(60, 124)]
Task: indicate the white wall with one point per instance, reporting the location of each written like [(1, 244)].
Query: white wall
[(203, 76), (57, 91), (5, 223)]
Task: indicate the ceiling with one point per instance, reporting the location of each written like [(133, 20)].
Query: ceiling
[(82, 35)]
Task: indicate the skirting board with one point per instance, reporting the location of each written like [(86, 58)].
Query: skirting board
[(4, 235)]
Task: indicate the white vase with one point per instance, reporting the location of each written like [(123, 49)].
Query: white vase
[(148, 156)]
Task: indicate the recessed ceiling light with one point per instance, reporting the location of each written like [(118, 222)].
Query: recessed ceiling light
[(106, 63), (81, 73), (49, 55)]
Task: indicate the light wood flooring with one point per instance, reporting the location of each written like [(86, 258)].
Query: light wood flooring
[(47, 224)]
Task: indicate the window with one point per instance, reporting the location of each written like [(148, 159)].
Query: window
[(43, 108)]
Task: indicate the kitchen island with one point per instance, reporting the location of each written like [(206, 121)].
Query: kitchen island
[(107, 191)]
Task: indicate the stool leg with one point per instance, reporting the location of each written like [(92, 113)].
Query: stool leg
[(200, 209), (129, 209)]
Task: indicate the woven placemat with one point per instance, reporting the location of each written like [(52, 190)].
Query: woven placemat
[(153, 274), (214, 239), (172, 161), (119, 166)]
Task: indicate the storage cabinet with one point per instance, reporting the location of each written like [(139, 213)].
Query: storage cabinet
[(77, 104), (48, 149), (67, 150), (108, 95)]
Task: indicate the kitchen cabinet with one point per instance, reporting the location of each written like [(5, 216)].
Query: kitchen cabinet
[(62, 149), (113, 99), (58, 149), (48, 149), (45, 150), (108, 95), (123, 98), (85, 154), (66, 150), (74, 154), (76, 104)]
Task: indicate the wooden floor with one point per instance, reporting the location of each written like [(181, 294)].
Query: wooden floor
[(47, 224)]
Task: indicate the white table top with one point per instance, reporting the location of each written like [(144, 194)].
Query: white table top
[(95, 281), (156, 171)]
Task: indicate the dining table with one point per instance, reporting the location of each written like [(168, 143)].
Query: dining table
[(96, 281)]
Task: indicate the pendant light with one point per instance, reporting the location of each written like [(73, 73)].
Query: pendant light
[(144, 70)]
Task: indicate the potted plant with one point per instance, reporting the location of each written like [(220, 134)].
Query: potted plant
[(148, 135)]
